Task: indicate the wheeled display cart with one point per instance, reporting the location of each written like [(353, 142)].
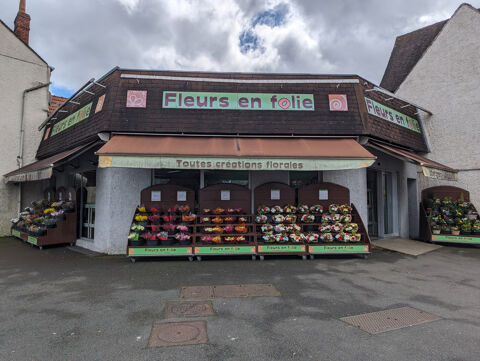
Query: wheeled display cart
[(445, 208)]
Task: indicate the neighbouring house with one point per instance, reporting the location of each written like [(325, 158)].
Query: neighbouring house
[(438, 66), (24, 103)]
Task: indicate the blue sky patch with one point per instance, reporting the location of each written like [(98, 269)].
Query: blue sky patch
[(61, 91)]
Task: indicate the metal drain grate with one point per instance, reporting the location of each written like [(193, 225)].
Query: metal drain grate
[(382, 321), (229, 291), (188, 309), (178, 334)]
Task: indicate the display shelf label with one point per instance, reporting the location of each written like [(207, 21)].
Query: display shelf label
[(275, 194), (323, 195), (338, 249), (281, 248), (32, 240), (181, 196), (225, 250), (16, 233), (225, 195), (160, 251), (456, 239)]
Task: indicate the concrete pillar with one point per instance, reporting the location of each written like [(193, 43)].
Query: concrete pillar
[(356, 181), (117, 195)]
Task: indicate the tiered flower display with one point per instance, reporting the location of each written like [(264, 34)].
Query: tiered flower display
[(229, 225)]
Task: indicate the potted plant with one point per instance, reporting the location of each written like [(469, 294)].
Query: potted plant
[(326, 237), (243, 219), (188, 218), (278, 218), (50, 223), (263, 210), (276, 210), (267, 229), (303, 208), (241, 229), (476, 228), (183, 239), (445, 229), (466, 228), (290, 218), (436, 229), (293, 228), (455, 230), (290, 209)]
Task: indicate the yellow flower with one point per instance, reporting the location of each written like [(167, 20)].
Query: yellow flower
[(48, 210)]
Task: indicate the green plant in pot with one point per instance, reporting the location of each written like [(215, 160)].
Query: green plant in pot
[(476, 228), (436, 229), (466, 228), (445, 229), (455, 230)]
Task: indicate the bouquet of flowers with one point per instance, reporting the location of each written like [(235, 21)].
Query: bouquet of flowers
[(149, 236), (137, 228), (182, 227), (154, 210), (312, 237), (340, 237), (141, 209), (278, 218), (217, 220), (188, 218), (290, 209), (241, 228), (184, 209), (290, 218), (205, 220), (307, 218), (218, 210), (351, 227), (355, 237), (325, 228), (240, 239), (327, 218), (228, 228), (208, 229), (263, 210), (303, 208), (333, 208), (162, 236), (48, 210), (293, 228), (268, 238), (206, 238), (156, 227), (217, 229), (347, 218), (133, 236), (279, 228), (276, 210), (154, 218), (206, 210), (318, 208), (168, 218), (337, 227), (267, 229), (182, 236), (169, 227), (242, 219), (278, 237), (284, 238), (345, 209), (217, 239), (326, 237), (261, 219), (337, 217), (295, 238), (229, 219), (229, 239)]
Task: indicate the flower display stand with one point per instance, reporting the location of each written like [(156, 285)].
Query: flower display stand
[(224, 226), (451, 200)]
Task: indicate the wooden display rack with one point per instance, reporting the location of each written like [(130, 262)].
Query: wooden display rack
[(276, 194), (335, 194), (224, 196), (163, 197), (425, 229), (65, 231)]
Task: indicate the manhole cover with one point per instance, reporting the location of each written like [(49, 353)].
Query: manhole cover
[(197, 292), (188, 309), (178, 334), (377, 322)]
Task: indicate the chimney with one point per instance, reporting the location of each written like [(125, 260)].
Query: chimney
[(22, 23)]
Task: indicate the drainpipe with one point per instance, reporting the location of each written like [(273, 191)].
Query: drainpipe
[(22, 136)]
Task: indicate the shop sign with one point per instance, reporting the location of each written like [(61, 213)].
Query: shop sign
[(210, 163), (16, 233), (160, 251), (282, 249), (338, 249), (456, 239), (225, 250), (32, 240), (439, 174), (100, 102), (72, 119), (391, 115), (238, 101)]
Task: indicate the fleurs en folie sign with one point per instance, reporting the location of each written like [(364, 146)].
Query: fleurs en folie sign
[(392, 115), (238, 101)]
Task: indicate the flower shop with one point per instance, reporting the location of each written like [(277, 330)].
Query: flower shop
[(198, 164)]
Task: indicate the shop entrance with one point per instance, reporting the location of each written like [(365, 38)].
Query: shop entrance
[(372, 204), (86, 190)]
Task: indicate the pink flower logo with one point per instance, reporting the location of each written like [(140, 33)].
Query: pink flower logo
[(136, 99), (338, 102)]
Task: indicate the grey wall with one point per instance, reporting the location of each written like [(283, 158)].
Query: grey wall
[(356, 181), (118, 193)]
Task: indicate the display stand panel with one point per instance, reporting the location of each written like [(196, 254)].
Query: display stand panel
[(316, 194), (224, 196), (165, 196), (272, 194), (427, 232), (49, 194), (224, 226)]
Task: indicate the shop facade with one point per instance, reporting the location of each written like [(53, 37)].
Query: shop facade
[(231, 138)]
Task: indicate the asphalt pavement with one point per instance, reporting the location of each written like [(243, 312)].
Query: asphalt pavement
[(58, 304)]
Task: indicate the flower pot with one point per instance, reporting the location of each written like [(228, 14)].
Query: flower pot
[(136, 243), (150, 242), (168, 242), (477, 233), (455, 233), (185, 242), (472, 217), (309, 228), (436, 231), (466, 233)]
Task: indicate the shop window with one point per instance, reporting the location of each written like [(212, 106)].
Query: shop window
[(226, 177), (301, 179), (185, 178)]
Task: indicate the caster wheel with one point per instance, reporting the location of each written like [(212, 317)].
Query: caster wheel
[(41, 247), (254, 258), (312, 256), (133, 260), (304, 257), (199, 258), (190, 259), (262, 258)]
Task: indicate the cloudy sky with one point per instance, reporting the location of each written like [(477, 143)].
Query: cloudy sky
[(85, 39)]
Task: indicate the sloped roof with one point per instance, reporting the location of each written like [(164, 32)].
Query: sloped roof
[(55, 103), (407, 51)]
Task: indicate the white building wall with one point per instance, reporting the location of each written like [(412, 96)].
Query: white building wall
[(20, 69), (446, 81)]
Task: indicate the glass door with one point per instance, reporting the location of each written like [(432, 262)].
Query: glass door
[(390, 211), (372, 203)]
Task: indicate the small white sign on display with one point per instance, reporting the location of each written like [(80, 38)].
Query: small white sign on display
[(225, 195), (275, 194), (181, 196), (156, 196), (323, 194)]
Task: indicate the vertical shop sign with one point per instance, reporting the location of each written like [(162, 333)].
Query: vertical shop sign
[(100, 102)]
